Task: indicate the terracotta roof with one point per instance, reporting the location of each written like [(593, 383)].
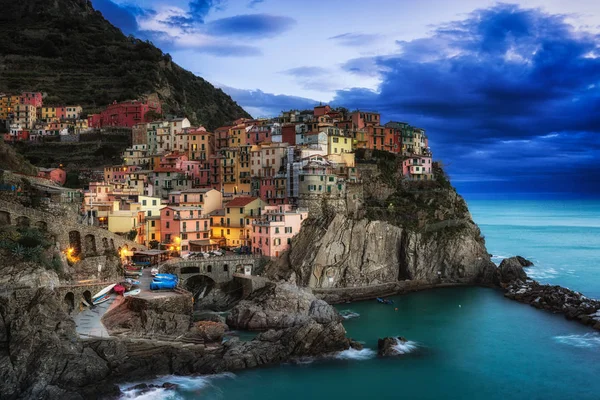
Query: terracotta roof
[(241, 201)]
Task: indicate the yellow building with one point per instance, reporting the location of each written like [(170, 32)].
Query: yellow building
[(338, 144), (236, 224), (151, 231), (48, 113)]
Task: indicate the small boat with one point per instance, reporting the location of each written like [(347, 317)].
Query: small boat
[(133, 292), (119, 289), (132, 281), (384, 301), (102, 299), (103, 292)]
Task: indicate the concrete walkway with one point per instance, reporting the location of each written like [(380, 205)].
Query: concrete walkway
[(89, 321)]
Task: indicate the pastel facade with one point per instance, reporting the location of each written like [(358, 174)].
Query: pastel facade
[(56, 175), (182, 225), (272, 233), (208, 200), (237, 221)]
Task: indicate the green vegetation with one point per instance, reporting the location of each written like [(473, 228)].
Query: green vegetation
[(68, 50), (29, 244)]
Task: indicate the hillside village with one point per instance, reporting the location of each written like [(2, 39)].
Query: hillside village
[(247, 186)]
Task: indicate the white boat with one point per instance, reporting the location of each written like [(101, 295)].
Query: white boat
[(102, 299), (133, 292), (103, 292)]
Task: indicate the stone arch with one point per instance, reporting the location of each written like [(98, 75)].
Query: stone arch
[(87, 296), (41, 225), (4, 218), (225, 267), (189, 270), (209, 269), (199, 285), (104, 243), (23, 222), (90, 244), (75, 242), (70, 301)]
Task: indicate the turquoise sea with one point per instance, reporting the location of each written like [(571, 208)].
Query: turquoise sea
[(466, 343)]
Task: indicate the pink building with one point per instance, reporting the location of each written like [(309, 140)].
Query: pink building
[(182, 227), (417, 168), (192, 169), (54, 174), (32, 98), (272, 233), (174, 160)]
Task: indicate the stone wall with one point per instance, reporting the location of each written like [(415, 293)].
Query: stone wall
[(92, 240)]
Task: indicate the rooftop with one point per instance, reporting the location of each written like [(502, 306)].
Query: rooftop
[(241, 201)]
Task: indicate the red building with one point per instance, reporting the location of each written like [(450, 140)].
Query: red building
[(54, 174), (288, 134), (125, 114), (32, 98)]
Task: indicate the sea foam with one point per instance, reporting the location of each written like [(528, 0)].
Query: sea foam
[(586, 340), (353, 354), (185, 384), (348, 314), (405, 347)]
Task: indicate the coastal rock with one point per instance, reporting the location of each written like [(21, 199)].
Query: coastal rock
[(208, 331), (349, 253), (393, 346), (41, 357), (510, 270), (524, 262), (278, 306), (573, 305), (139, 316)]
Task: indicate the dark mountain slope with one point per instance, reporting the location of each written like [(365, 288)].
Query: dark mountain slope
[(67, 49)]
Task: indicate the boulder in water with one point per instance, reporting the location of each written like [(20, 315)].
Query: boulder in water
[(510, 270), (524, 262), (393, 346)]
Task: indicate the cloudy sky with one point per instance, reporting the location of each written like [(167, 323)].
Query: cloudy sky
[(508, 92)]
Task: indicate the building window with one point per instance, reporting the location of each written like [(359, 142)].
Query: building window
[(225, 268), (167, 225), (289, 240), (152, 223), (143, 202), (153, 236)]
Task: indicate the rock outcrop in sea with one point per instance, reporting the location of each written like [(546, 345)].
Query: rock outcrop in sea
[(394, 231), (556, 299)]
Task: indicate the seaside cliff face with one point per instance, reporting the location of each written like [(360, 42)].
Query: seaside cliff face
[(398, 231)]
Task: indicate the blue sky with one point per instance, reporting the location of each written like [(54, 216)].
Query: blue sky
[(508, 92)]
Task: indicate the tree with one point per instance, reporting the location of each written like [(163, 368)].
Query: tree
[(153, 244)]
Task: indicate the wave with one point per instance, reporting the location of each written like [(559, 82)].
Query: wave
[(405, 347), (542, 273), (185, 384), (586, 340), (353, 354), (348, 314)]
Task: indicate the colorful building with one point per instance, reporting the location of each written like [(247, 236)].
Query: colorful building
[(237, 222), (272, 233), (125, 114), (182, 225), (56, 175)]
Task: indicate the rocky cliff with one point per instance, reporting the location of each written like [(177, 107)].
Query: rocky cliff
[(42, 357), (416, 231)]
